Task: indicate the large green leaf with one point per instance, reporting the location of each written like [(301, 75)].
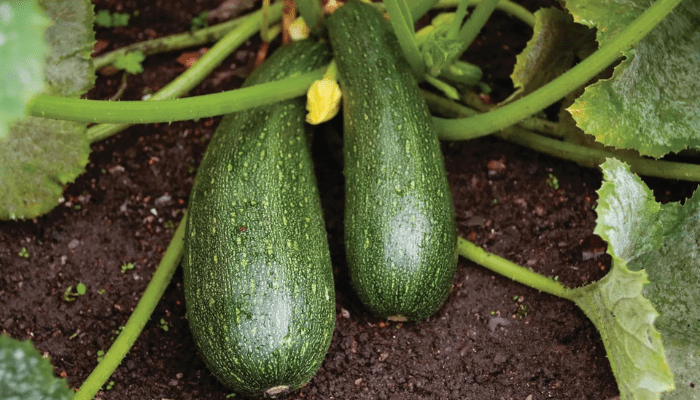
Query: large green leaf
[(550, 52), (25, 375), (652, 101), (69, 70), (38, 157), (36, 161), (22, 52), (651, 293)]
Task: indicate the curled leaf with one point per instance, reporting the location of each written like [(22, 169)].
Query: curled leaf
[(322, 101)]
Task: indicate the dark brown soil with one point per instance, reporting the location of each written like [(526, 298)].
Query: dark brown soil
[(485, 343)]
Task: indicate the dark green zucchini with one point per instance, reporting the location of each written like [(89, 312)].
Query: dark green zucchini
[(257, 271), (400, 234)]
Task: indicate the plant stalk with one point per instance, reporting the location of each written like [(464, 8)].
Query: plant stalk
[(506, 6), (146, 112), (405, 32), (171, 42), (564, 84), (473, 26), (511, 270), (138, 319), (582, 155)]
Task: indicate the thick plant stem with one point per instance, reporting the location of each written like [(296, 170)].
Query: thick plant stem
[(146, 112), (405, 32), (566, 83), (248, 27), (511, 270), (138, 319), (582, 155)]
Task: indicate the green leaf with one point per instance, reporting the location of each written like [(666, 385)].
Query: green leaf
[(39, 156), (651, 293), (120, 19), (652, 101), (69, 70), (130, 62), (22, 51), (25, 375), (549, 53), (103, 18)]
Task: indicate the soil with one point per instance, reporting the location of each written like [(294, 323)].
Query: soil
[(493, 339)]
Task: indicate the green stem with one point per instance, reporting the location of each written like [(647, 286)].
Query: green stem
[(511, 270), (582, 155), (65, 108), (593, 158), (138, 319), (506, 6), (311, 11), (535, 124), (473, 26), (456, 24), (172, 42), (418, 8), (558, 88), (404, 30), (146, 112)]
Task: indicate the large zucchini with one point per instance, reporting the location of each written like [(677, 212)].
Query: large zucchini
[(257, 272), (400, 234)]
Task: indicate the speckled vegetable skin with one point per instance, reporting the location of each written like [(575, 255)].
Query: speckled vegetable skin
[(400, 234), (257, 271)]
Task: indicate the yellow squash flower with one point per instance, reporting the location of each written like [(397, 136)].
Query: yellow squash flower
[(322, 101)]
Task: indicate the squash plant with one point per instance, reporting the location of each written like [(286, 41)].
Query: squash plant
[(645, 309)]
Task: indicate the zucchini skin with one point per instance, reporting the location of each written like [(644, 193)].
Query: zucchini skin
[(258, 280), (400, 230)]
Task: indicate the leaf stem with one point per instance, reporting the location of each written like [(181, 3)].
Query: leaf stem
[(172, 42), (404, 30), (473, 26), (564, 84), (506, 6), (145, 112), (582, 155), (138, 319), (511, 270)]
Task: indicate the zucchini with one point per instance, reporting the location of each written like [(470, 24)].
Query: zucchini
[(400, 231), (258, 280)]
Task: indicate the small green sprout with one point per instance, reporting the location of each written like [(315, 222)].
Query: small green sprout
[(70, 295), (100, 355), (495, 201), (24, 253), (164, 325), (127, 266), (110, 385), (169, 225), (78, 207), (116, 333), (105, 19), (73, 336), (515, 297), (553, 182), (101, 292), (130, 62), (523, 311), (200, 21)]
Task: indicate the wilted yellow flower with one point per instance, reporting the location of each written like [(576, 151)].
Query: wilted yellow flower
[(322, 101), (298, 29)]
